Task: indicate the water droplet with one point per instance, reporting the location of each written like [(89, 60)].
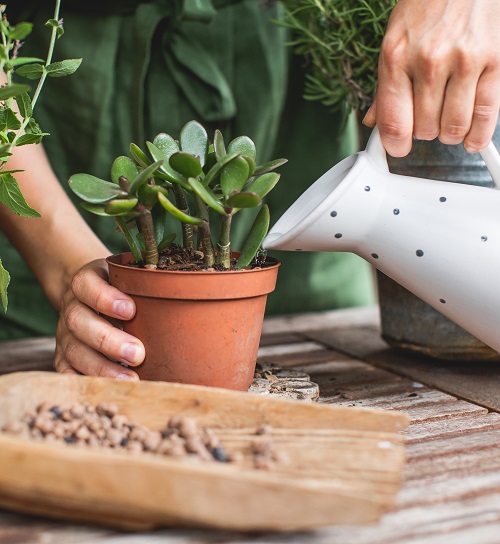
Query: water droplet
[(338, 235), (333, 214), (484, 238), (419, 253), (367, 188), (442, 199), (395, 211)]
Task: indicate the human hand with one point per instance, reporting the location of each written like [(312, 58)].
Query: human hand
[(85, 341), (438, 74)]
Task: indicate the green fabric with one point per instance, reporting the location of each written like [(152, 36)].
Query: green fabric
[(152, 69)]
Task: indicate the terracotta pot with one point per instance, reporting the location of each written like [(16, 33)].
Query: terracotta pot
[(199, 328)]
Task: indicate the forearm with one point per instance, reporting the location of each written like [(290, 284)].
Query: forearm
[(56, 245)]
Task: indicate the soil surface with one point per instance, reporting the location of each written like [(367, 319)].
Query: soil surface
[(177, 258)]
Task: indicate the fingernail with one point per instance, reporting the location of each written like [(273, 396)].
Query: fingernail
[(132, 353), (470, 149), (124, 376), (123, 308)]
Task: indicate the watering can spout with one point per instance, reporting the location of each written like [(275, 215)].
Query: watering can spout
[(272, 241)]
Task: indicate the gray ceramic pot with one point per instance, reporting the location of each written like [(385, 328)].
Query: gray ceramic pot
[(407, 321)]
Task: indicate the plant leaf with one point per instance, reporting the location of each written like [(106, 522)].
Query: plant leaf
[(186, 164), (96, 209), (264, 183), (24, 104), (10, 91), (178, 214), (63, 67), (251, 165), (169, 238), (234, 176), (123, 166), (4, 283), (55, 24), (143, 176), (94, 190), (159, 153), (12, 197), (255, 238), (24, 60), (121, 206), (269, 166), (166, 144), (193, 139), (217, 167), (30, 71), (244, 145), (20, 31), (140, 157), (219, 147), (243, 200), (27, 139), (9, 120), (206, 195)]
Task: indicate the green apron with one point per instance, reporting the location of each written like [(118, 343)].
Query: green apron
[(149, 67)]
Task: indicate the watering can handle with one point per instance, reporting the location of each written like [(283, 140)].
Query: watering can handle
[(377, 153)]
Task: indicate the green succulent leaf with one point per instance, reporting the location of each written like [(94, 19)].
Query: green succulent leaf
[(207, 195), (12, 197), (269, 166), (243, 200), (219, 146), (194, 140), (251, 165), (10, 91), (30, 71), (186, 164), (143, 176), (94, 190), (4, 283), (164, 153), (166, 144), (24, 104), (217, 167), (63, 67), (169, 238), (139, 156), (96, 209), (121, 206), (244, 145), (264, 183), (20, 31), (123, 166), (234, 175), (255, 238), (178, 214)]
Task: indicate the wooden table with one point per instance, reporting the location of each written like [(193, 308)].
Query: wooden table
[(451, 489)]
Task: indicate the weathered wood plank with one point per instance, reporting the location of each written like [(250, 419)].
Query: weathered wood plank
[(273, 339), (30, 354)]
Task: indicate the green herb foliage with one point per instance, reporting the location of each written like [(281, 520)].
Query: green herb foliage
[(190, 179), (17, 125), (340, 40)]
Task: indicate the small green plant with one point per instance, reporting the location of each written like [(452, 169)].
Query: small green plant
[(18, 126), (189, 179), (340, 40)]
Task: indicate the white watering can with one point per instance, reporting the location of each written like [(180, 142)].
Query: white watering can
[(440, 240)]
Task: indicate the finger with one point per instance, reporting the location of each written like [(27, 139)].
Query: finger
[(370, 117), (61, 365), (485, 114), (90, 286), (394, 116), (100, 335), (456, 117), (77, 356)]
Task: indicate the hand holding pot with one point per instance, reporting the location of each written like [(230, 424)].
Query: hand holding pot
[(438, 75), (86, 341)]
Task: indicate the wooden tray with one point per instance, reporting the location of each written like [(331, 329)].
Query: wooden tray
[(345, 463)]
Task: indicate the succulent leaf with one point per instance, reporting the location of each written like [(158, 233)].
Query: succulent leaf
[(178, 214), (219, 146), (186, 164), (94, 190), (140, 157), (207, 195), (166, 144), (194, 140), (120, 206), (96, 209), (234, 175), (143, 176), (217, 167), (244, 145), (255, 238), (123, 166), (163, 154), (269, 166), (169, 238), (243, 200), (264, 183)]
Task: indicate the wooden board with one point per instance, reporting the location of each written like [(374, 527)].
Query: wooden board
[(345, 463)]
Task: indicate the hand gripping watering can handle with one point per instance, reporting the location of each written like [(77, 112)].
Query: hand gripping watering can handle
[(377, 153)]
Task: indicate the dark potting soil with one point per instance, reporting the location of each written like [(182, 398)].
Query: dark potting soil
[(177, 258)]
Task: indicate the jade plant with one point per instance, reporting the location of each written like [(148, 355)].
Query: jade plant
[(194, 181)]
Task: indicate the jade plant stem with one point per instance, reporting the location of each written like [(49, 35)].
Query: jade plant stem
[(148, 235), (204, 237), (224, 244), (187, 229)]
